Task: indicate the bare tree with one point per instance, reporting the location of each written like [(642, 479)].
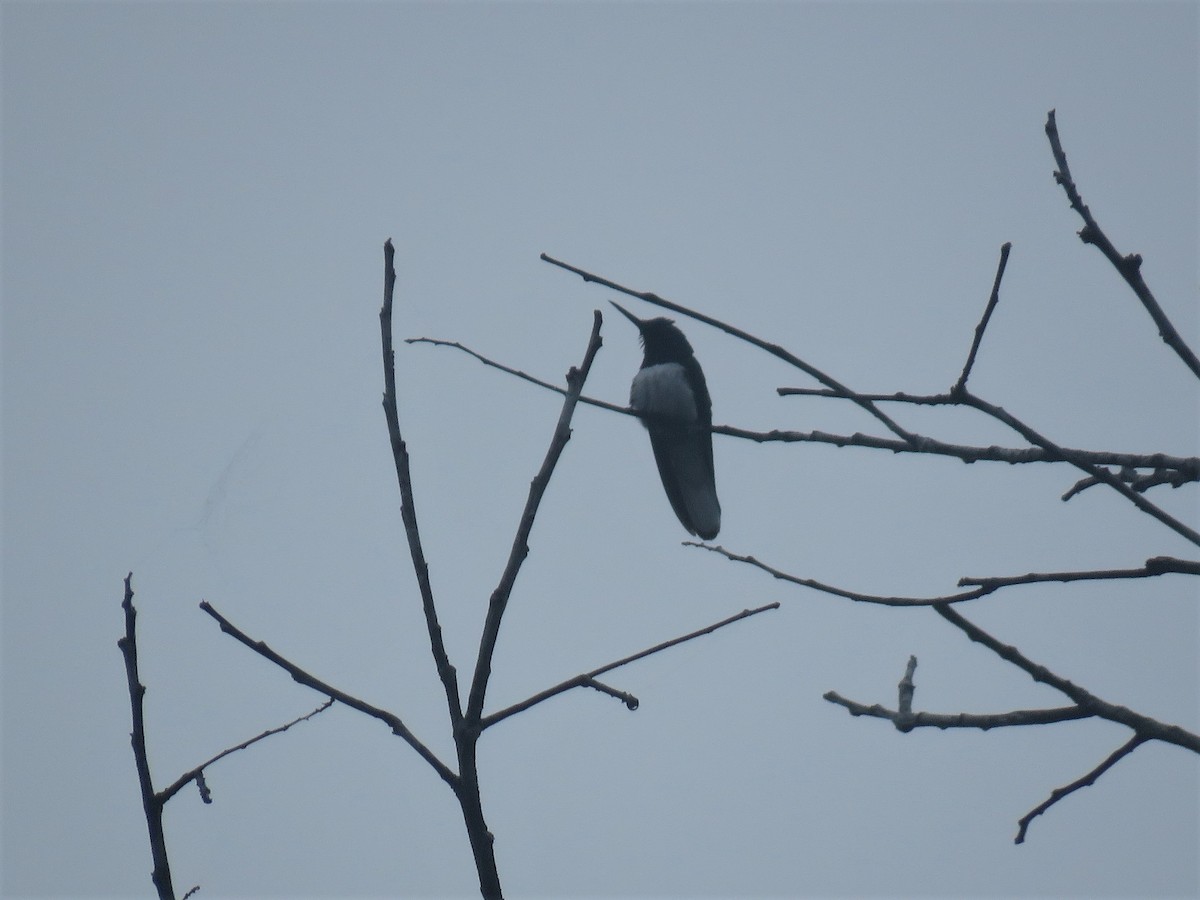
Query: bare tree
[(1132, 475)]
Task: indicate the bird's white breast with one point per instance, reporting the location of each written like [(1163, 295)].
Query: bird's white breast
[(663, 389)]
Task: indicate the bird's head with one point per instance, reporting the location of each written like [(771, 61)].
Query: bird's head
[(661, 340)]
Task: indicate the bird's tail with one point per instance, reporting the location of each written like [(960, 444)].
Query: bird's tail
[(685, 465)]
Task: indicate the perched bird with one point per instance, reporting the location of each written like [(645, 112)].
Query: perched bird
[(670, 388)]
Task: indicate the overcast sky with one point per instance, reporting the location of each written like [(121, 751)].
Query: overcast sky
[(195, 198)]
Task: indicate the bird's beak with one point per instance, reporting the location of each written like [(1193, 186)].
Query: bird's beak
[(627, 314)]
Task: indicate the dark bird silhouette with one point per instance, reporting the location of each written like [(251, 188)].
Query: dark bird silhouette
[(670, 388)]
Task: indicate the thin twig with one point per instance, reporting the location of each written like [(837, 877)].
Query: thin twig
[(836, 591), (152, 804), (1097, 472), (983, 721), (194, 774), (1156, 565), (983, 322), (896, 397), (311, 681), (587, 679), (520, 546), (1129, 267), (1137, 481), (774, 349), (1089, 779), (525, 376), (1144, 725), (408, 512), (1187, 467)]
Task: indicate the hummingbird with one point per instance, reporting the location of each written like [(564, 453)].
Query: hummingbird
[(670, 389)]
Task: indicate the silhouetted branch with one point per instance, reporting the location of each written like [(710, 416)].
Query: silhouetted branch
[(152, 804), (1137, 481), (520, 547), (1129, 267), (1186, 468), (300, 676), (895, 397), (1148, 728), (1096, 472), (1156, 565), (1087, 780), (197, 774), (587, 679), (914, 441), (837, 591), (983, 322), (611, 407), (1086, 705), (983, 721), (1175, 470), (408, 512), (774, 349)]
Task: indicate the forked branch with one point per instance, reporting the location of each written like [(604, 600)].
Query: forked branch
[(520, 546), (154, 802), (588, 679), (300, 676), (774, 349)]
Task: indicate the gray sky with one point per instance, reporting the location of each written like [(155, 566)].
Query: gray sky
[(194, 202)]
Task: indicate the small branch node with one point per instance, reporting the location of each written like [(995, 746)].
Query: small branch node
[(630, 701), (904, 714), (202, 786)]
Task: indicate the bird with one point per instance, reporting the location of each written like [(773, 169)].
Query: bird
[(670, 390)]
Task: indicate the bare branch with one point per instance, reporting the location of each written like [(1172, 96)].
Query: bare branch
[(311, 681), (1148, 728), (408, 512), (520, 547), (897, 397), (1188, 468), (1089, 779), (558, 389), (631, 702), (983, 322), (836, 591), (152, 804), (774, 349), (1137, 481), (198, 772), (983, 721), (588, 679), (1129, 267), (1177, 470), (1096, 472), (1156, 565)]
